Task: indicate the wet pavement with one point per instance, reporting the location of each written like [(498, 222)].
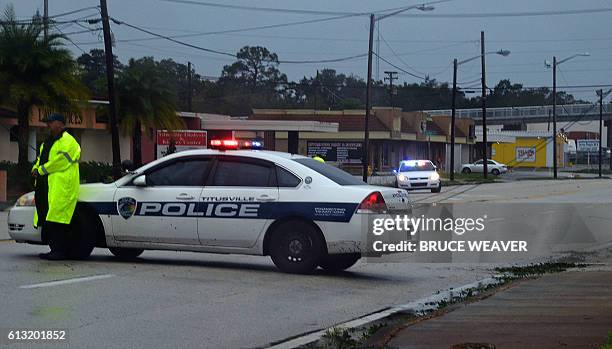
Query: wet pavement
[(566, 310)]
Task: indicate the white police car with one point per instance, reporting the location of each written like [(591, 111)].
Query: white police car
[(299, 211), (418, 174)]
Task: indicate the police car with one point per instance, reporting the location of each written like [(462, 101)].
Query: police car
[(300, 212), (418, 174)]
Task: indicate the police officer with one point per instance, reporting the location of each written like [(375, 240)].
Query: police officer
[(56, 174)]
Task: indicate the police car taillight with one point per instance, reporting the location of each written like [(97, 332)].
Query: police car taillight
[(373, 203), (224, 144)]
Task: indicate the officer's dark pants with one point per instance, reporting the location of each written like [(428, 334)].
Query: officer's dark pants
[(58, 235)]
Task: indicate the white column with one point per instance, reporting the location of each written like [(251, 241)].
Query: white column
[(32, 144)]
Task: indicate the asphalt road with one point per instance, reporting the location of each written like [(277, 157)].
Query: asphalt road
[(170, 299)]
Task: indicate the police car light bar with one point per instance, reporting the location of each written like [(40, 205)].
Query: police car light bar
[(224, 144), (251, 144)]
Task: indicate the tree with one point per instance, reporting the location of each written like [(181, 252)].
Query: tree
[(256, 66), (254, 80), (177, 78), (145, 100), (92, 67), (35, 71)]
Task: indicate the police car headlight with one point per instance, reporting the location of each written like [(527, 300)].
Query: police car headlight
[(434, 176), (401, 178), (26, 200)]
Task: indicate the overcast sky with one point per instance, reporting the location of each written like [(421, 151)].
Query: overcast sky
[(423, 43)]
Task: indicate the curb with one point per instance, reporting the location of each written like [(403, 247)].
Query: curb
[(420, 305)]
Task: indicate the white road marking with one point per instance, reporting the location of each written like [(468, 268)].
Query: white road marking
[(495, 220), (548, 212), (416, 306), (68, 281)]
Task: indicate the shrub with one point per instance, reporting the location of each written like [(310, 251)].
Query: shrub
[(93, 172)]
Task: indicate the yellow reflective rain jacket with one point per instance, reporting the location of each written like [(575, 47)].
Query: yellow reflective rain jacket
[(62, 170)]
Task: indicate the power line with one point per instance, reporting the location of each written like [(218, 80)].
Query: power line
[(331, 60), (75, 11), (70, 40), (270, 26), (171, 39), (397, 56), (287, 10), (511, 14), (398, 68), (81, 31), (448, 15), (31, 21), (264, 9)]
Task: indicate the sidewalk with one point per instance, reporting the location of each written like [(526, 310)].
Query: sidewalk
[(571, 309)]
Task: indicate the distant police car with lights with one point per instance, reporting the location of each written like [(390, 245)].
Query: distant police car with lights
[(299, 211), (418, 174)]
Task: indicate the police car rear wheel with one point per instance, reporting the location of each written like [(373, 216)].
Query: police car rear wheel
[(339, 262), (126, 253), (296, 247)]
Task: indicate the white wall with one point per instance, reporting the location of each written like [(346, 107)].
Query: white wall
[(8, 150), (96, 146), (462, 156), (590, 126)]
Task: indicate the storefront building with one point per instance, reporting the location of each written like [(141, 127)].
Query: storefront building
[(89, 130), (394, 136), (530, 149)]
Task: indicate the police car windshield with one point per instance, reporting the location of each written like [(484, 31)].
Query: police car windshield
[(331, 172), (421, 165)]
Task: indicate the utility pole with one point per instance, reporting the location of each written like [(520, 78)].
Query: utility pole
[(110, 80), (392, 75), (453, 107), (378, 52), (189, 88), (484, 107), (316, 89), (600, 129), (554, 117), (46, 19), (366, 141)]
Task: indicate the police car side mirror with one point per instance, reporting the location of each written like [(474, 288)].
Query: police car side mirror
[(140, 181)]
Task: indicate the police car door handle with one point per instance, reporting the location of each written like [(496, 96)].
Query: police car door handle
[(265, 198), (184, 196)]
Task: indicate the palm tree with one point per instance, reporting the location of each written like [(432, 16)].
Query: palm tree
[(34, 70), (145, 100)]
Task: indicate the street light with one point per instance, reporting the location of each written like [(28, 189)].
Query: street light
[(504, 53), (366, 140), (554, 66)]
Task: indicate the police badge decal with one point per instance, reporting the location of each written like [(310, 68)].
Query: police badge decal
[(126, 207)]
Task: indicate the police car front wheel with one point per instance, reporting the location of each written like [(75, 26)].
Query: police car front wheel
[(126, 253), (80, 241), (296, 247)]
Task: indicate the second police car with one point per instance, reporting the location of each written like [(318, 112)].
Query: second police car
[(300, 212)]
